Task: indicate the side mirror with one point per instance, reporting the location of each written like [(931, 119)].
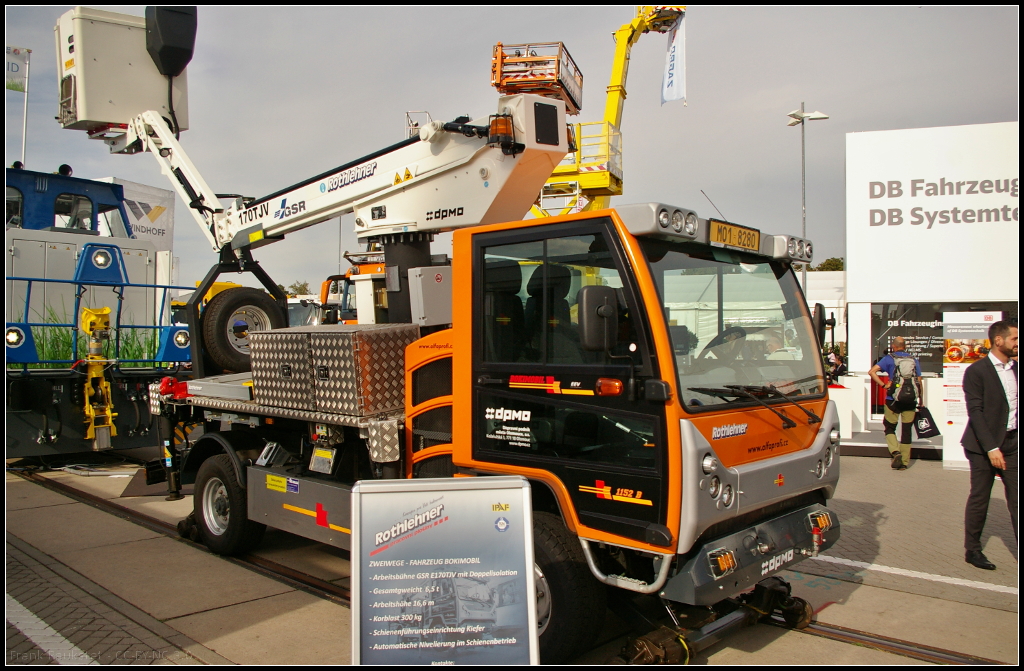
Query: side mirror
[(598, 318), (819, 323)]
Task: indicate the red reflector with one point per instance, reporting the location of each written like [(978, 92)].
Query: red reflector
[(608, 386)]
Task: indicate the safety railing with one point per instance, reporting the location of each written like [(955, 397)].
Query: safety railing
[(544, 68), (21, 342), (598, 148)]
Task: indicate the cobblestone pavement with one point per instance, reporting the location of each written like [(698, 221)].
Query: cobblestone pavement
[(914, 520), (66, 619)]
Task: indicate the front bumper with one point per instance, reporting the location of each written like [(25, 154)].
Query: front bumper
[(757, 552)]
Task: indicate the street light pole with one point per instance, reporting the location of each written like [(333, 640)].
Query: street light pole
[(799, 117), (803, 192)]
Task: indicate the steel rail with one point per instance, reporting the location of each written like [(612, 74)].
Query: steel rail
[(918, 651)]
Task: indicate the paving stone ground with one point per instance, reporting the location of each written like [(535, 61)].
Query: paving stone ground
[(914, 520), (88, 630)]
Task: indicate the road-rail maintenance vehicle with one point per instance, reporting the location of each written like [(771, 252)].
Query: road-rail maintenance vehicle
[(622, 360)]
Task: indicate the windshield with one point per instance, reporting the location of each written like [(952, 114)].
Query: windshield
[(734, 319), (302, 315)]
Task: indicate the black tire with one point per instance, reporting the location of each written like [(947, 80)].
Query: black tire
[(576, 598), (219, 507), (227, 320)]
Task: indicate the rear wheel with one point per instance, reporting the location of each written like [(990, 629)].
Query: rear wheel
[(570, 601), (228, 319), (220, 509)]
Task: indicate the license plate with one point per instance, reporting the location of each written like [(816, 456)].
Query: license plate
[(731, 235)]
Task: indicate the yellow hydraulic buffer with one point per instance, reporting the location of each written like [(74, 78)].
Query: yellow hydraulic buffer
[(98, 406)]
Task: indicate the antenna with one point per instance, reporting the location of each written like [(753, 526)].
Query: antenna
[(714, 206)]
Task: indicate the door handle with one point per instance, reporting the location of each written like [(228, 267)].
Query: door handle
[(485, 380)]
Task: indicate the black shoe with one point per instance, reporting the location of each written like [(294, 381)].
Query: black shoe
[(978, 559), (897, 461)]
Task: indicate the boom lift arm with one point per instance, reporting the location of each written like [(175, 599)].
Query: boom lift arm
[(588, 178), (408, 187)]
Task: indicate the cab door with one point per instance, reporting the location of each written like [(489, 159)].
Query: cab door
[(542, 402)]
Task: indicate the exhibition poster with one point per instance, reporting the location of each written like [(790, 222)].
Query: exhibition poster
[(442, 572), (965, 340)]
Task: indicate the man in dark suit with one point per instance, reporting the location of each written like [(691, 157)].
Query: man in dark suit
[(990, 440)]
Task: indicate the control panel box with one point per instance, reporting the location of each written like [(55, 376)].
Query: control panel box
[(105, 74)]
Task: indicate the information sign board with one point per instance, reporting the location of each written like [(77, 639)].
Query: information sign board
[(443, 572)]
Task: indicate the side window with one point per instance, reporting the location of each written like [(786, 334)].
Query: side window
[(530, 295), (72, 211), (15, 202), (110, 222)]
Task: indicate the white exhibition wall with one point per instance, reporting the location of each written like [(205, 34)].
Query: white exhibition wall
[(932, 214)]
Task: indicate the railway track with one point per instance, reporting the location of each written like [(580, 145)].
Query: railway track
[(341, 595)]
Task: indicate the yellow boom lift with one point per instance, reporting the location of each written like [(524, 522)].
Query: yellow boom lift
[(591, 174)]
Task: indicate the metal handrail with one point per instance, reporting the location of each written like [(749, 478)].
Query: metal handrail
[(117, 288)]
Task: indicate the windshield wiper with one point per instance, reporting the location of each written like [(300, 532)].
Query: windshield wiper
[(770, 389), (736, 391)]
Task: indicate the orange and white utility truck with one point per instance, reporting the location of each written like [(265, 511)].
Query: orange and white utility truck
[(654, 374)]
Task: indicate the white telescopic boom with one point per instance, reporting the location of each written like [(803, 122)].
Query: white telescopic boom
[(450, 177)]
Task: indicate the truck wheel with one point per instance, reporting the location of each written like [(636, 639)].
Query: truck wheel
[(220, 509), (570, 601), (229, 317)]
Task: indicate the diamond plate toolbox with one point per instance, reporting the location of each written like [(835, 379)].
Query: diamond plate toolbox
[(360, 369), (282, 373)]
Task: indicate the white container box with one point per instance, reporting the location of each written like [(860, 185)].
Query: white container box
[(105, 74)]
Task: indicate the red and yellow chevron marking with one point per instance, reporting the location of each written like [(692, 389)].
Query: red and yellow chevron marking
[(604, 491), (320, 514), (546, 382)]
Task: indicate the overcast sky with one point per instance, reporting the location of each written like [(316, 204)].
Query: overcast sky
[(278, 95)]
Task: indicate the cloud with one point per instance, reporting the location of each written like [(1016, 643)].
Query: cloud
[(279, 94)]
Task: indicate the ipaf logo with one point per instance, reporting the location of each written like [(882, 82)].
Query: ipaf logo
[(287, 210)]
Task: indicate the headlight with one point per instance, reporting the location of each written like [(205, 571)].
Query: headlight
[(677, 221), (708, 464), (691, 224), (792, 247), (807, 249), (819, 470), (101, 258), (181, 338), (663, 218), (828, 456), (727, 496), (14, 336), (799, 247), (716, 486)]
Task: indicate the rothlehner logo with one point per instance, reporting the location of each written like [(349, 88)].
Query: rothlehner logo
[(728, 431)]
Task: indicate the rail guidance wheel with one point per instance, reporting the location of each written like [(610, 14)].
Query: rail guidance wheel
[(570, 601), (220, 509), (229, 317), (797, 613)]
